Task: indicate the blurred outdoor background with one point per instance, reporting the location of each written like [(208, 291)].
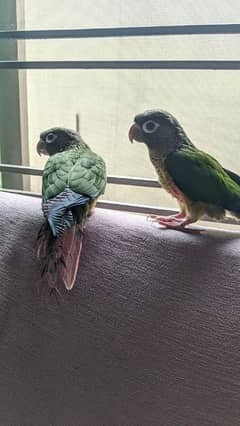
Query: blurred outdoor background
[(207, 103)]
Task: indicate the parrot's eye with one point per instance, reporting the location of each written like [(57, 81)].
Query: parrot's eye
[(150, 126), (50, 137)]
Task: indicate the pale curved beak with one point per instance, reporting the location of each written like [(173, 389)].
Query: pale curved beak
[(41, 147)]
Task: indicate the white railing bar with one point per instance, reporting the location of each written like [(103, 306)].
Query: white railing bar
[(133, 181), (133, 208), (118, 180), (145, 209), (125, 64), (169, 30), (24, 170)]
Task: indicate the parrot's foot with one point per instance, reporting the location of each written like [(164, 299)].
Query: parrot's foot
[(162, 219), (178, 223)]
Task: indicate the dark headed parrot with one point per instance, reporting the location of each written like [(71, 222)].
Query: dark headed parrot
[(198, 181), (73, 179)]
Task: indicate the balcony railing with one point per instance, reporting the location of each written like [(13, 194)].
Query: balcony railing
[(119, 64), (170, 30), (116, 180)]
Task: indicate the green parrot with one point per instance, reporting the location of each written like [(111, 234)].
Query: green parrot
[(73, 179), (198, 181)]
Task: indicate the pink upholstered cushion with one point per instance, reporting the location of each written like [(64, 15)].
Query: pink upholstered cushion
[(149, 336)]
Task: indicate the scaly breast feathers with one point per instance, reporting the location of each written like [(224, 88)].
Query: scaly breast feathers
[(195, 209), (167, 182)]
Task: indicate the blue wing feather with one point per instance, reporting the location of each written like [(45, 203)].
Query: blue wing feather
[(58, 211)]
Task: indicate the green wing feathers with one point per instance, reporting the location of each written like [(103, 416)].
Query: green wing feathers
[(201, 178), (88, 175), (83, 171)]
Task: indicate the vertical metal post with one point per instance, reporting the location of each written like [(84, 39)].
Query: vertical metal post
[(12, 104), (77, 122)]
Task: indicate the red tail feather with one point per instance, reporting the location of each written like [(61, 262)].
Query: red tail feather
[(60, 256), (71, 247)]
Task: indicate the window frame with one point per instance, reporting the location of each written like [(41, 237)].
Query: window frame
[(20, 64)]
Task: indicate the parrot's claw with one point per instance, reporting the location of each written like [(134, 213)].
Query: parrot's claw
[(163, 219), (180, 227), (177, 222)]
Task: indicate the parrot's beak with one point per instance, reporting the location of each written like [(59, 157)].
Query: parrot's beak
[(134, 133), (41, 147)]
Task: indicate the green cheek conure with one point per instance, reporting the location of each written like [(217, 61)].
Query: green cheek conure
[(73, 178), (199, 183)]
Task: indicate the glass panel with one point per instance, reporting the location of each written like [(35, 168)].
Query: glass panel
[(176, 47), (108, 13), (205, 102)]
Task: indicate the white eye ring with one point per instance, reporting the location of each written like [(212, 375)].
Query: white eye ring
[(50, 137), (150, 126)]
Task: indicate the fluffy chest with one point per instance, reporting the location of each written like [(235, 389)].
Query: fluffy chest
[(166, 180)]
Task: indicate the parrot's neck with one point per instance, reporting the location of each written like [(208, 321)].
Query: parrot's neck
[(161, 150), (79, 146)]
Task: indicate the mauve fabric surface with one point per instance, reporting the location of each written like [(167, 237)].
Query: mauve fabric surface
[(149, 336)]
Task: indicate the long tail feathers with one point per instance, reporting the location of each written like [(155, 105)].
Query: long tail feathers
[(59, 256), (72, 246)]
